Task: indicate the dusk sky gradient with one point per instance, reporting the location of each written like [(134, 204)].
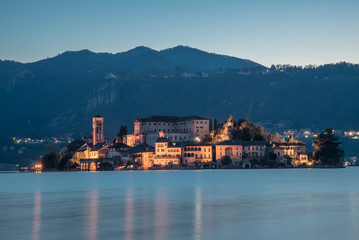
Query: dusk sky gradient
[(268, 32)]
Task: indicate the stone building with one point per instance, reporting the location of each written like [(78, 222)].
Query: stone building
[(296, 151), (194, 154), (231, 148), (96, 135), (141, 154), (254, 149), (97, 129), (116, 149), (167, 153), (176, 129)]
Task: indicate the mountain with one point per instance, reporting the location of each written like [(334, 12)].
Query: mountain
[(58, 96)]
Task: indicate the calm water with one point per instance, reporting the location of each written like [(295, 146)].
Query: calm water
[(220, 204)]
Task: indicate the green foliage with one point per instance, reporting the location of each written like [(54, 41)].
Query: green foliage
[(327, 148), (247, 131), (266, 163), (272, 156), (49, 160), (226, 160), (74, 145), (123, 131)]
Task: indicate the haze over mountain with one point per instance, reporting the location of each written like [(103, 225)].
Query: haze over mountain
[(58, 96)]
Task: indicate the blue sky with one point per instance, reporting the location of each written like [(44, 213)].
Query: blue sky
[(269, 32)]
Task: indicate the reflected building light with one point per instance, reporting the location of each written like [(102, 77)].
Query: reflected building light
[(129, 215), (198, 214), (36, 221), (161, 215), (93, 215)]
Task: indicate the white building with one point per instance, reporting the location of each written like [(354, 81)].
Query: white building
[(177, 129)]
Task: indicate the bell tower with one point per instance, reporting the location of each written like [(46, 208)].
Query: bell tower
[(97, 126)]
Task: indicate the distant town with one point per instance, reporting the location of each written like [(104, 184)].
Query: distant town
[(190, 142)]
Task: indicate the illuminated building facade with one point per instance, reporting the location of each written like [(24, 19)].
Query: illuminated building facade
[(177, 129), (97, 132)]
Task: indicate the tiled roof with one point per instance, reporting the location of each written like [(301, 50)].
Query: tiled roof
[(230, 142), (141, 148), (288, 144), (97, 147), (119, 145), (162, 139), (253, 143), (169, 118), (196, 144)]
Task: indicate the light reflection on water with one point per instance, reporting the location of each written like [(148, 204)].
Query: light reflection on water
[(93, 215), (37, 216), (259, 204)]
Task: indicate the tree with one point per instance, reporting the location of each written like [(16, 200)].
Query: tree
[(121, 133), (49, 160), (327, 148), (247, 131), (226, 160), (215, 124)]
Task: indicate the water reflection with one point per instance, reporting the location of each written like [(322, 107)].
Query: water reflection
[(36, 221), (161, 215), (268, 204), (129, 214), (93, 215), (198, 213)]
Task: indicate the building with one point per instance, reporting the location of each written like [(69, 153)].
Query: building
[(87, 155), (96, 135), (295, 151), (97, 129), (230, 148), (116, 149), (167, 153), (140, 155), (301, 159), (253, 149), (176, 129), (195, 154)]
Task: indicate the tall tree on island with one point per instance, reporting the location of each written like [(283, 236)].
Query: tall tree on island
[(215, 124), (327, 148), (121, 133)]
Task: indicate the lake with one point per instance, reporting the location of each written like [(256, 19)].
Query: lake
[(204, 204)]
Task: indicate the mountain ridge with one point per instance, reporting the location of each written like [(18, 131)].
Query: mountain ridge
[(138, 51), (58, 96)]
